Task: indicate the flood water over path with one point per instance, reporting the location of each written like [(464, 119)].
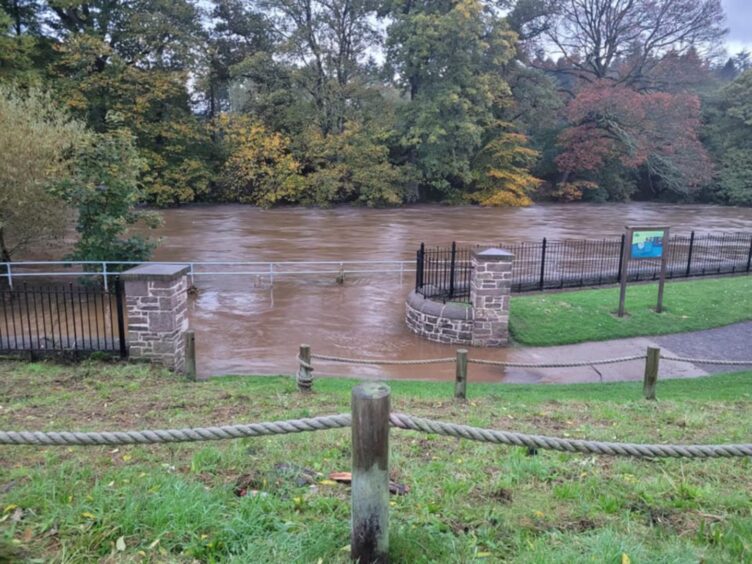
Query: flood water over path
[(244, 325)]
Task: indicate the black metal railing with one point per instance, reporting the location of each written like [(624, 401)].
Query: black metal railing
[(549, 265), (62, 319), (444, 274)]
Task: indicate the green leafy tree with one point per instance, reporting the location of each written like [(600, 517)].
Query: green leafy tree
[(105, 190), (449, 56), (728, 134), (37, 142), (353, 166)]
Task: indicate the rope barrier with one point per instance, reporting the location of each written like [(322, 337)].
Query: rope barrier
[(708, 361), (398, 420), (554, 364), (409, 422), (384, 362), (175, 435)]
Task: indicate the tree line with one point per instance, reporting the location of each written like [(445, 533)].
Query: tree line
[(385, 102)]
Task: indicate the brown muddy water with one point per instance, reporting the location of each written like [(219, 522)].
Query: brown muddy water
[(244, 325)]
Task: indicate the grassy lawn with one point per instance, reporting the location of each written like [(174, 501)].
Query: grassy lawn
[(469, 502), (589, 315)]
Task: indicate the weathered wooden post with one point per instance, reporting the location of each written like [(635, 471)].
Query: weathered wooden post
[(460, 383), (370, 473), (190, 354), (652, 363), (305, 372)]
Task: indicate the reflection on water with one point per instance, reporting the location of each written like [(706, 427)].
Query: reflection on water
[(244, 326)]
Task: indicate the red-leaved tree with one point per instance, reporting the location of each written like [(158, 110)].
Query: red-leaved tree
[(655, 134)]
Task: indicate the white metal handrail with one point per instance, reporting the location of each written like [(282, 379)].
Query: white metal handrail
[(268, 269)]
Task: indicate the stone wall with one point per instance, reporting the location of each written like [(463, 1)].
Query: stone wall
[(449, 323), (157, 301), (484, 322)]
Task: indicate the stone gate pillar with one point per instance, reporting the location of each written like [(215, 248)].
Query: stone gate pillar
[(157, 300), (490, 288)]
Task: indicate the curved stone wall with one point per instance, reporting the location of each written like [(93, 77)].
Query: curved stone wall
[(450, 323)]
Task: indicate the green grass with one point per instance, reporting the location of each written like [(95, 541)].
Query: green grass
[(589, 315), (469, 502)]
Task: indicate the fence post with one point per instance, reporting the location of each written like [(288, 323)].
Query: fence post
[(10, 274), (689, 256), (305, 371), (451, 269), (621, 256), (370, 473), (104, 276), (460, 384), (543, 266), (120, 319), (652, 363), (749, 260), (419, 267), (190, 354)]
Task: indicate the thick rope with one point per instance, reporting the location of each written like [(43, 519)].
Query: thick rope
[(403, 421), (175, 435), (303, 363), (384, 362), (554, 364), (708, 361), (398, 420)]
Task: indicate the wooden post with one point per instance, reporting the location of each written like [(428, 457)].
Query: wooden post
[(305, 372), (652, 363), (460, 383), (190, 354), (624, 271), (370, 473)]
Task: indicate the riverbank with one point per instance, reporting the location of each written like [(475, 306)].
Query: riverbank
[(467, 501), (589, 315)]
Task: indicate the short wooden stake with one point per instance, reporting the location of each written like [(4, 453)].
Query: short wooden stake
[(305, 372), (190, 355), (370, 473), (460, 382), (652, 363)]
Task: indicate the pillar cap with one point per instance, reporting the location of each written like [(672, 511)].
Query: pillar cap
[(155, 271), (493, 254)]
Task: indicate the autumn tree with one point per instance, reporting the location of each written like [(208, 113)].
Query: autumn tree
[(651, 134), (134, 59), (503, 169), (259, 168), (37, 139)]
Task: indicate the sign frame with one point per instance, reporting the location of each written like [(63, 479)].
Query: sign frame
[(627, 256)]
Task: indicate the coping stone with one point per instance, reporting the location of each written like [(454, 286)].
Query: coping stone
[(156, 271)]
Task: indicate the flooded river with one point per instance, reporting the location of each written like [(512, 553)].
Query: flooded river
[(245, 325)]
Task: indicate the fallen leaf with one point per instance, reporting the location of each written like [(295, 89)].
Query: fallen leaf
[(88, 515), (625, 559), (28, 534), (341, 477), (120, 544)]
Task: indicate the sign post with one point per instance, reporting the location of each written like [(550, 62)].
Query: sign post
[(644, 243)]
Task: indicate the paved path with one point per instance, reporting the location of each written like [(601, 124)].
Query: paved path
[(733, 342)]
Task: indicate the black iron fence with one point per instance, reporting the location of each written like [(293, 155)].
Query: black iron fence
[(549, 265), (63, 320), (444, 274)]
